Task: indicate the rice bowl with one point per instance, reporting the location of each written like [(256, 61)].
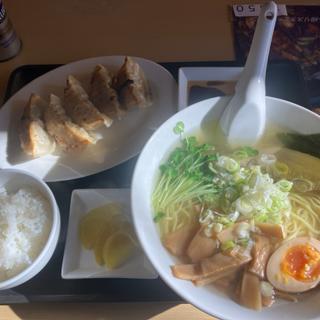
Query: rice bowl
[(30, 226)]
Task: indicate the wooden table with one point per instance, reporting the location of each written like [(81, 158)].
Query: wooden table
[(164, 30)]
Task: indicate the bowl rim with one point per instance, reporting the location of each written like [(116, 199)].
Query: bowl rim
[(51, 241), (134, 186)]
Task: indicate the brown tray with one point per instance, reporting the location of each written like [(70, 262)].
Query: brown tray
[(284, 80)]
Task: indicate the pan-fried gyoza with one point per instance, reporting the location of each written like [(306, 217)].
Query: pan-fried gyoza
[(34, 139), (103, 95), (68, 135), (69, 123)]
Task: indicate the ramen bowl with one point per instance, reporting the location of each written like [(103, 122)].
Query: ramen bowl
[(200, 117), (40, 199)]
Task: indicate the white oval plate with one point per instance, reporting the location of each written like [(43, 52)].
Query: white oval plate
[(123, 140)]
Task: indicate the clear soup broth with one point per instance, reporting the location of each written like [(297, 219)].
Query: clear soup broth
[(246, 220)]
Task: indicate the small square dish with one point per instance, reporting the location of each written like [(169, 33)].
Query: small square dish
[(199, 83), (80, 263)]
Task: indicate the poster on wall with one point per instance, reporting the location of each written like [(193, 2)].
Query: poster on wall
[(296, 38)]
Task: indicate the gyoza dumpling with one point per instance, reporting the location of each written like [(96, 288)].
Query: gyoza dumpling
[(68, 135), (132, 86), (102, 95), (80, 108), (34, 139)]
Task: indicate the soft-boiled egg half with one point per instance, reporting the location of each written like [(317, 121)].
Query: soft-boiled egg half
[(295, 265)]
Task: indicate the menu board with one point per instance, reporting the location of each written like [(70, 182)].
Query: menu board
[(296, 38)]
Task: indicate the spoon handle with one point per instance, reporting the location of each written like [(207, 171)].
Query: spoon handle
[(255, 67)]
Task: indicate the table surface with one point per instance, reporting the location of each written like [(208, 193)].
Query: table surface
[(63, 31)]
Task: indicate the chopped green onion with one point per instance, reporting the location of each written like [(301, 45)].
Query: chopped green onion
[(227, 245), (196, 174), (228, 164), (224, 220), (245, 152), (262, 217), (280, 168), (244, 206), (239, 154), (253, 180), (284, 185)]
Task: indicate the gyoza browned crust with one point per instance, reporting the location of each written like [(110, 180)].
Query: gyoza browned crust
[(102, 95), (34, 139), (132, 86), (80, 109), (68, 135)]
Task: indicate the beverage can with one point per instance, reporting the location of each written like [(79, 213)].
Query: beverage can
[(10, 44)]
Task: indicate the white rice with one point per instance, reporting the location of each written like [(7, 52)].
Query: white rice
[(25, 222)]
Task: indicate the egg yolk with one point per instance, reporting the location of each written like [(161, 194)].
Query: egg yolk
[(302, 262)]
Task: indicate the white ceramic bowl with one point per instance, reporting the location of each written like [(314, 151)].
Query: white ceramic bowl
[(210, 300), (12, 180)]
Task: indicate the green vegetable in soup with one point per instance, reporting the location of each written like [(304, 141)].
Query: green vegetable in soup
[(185, 180), (159, 216), (179, 128), (244, 153), (309, 143), (196, 182), (228, 245), (300, 167)]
